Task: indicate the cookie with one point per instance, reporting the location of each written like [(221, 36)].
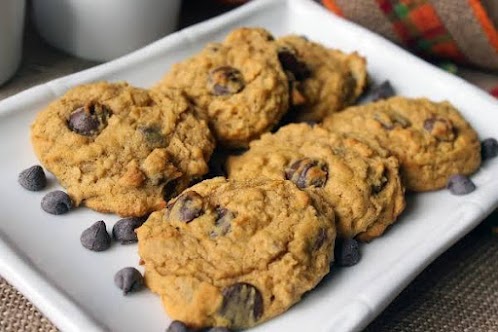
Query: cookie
[(120, 149), (361, 181), (239, 83), (235, 254), (326, 80), (431, 140)]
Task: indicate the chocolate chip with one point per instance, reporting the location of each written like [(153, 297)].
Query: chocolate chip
[(391, 121), (225, 80), (170, 190), (124, 229), (153, 136), (383, 91), (489, 148), (223, 222), (460, 185), (442, 129), (177, 326), (33, 178), (219, 329), (56, 202), (320, 239), (89, 120), (187, 207), (290, 62), (95, 237), (242, 304), (217, 164), (347, 252), (129, 280), (307, 172), (380, 183)]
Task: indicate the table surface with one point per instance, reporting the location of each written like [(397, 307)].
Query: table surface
[(457, 292)]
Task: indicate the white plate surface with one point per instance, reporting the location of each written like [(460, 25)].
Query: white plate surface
[(41, 255)]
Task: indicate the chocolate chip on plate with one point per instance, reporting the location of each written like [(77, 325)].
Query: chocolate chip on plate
[(177, 326), (129, 280), (89, 119), (242, 304), (219, 329), (489, 148), (124, 229), (95, 237), (460, 185), (347, 252), (383, 91), (225, 80), (56, 202), (33, 178), (307, 172), (187, 207)]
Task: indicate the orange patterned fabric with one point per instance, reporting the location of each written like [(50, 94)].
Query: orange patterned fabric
[(330, 4), (420, 28), (431, 27), (485, 21)]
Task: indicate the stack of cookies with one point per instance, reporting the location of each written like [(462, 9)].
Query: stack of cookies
[(235, 251)]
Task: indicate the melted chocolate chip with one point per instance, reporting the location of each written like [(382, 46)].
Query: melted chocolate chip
[(187, 207), (442, 129), (290, 62), (225, 80), (320, 239), (170, 190), (242, 304), (391, 121), (307, 172), (380, 184), (223, 222), (90, 119), (153, 136)]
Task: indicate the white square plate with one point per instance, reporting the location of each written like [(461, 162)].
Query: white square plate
[(41, 255)]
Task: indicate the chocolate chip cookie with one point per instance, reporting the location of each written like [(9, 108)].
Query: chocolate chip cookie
[(360, 180), (431, 140), (239, 83), (121, 149), (325, 80), (236, 253)]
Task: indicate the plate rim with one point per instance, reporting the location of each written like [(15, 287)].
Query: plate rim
[(67, 315)]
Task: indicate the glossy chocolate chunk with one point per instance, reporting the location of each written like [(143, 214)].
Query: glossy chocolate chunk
[(242, 304), (89, 120), (307, 172), (225, 80), (187, 207)]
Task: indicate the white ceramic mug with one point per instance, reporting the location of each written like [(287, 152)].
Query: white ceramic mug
[(11, 35), (102, 30)]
